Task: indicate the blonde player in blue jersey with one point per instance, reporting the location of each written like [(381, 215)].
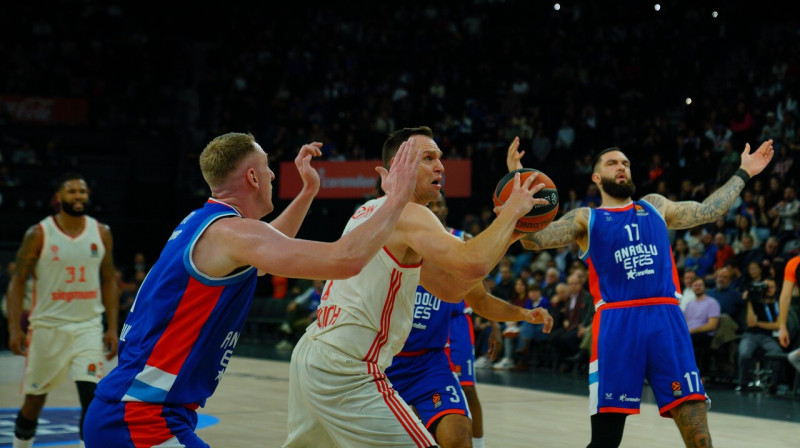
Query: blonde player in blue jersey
[(638, 330), (183, 327)]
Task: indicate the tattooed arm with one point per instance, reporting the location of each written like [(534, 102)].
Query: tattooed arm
[(687, 214), (573, 226), (27, 256)]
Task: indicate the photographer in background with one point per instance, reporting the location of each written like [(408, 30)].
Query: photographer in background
[(761, 330)]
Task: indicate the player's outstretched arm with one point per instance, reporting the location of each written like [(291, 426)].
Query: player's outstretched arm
[(292, 217), (571, 227), (496, 309), (688, 214), (231, 243)]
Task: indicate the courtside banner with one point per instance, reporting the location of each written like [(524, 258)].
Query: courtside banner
[(357, 179)]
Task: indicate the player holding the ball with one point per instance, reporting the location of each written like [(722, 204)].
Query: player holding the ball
[(338, 391), (638, 330)]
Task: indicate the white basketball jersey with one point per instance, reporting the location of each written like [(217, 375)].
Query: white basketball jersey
[(67, 275), (368, 316)]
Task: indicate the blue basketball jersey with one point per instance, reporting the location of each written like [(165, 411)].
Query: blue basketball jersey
[(183, 326), (629, 255)]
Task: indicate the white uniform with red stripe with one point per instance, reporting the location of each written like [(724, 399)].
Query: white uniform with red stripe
[(338, 392), (66, 332)]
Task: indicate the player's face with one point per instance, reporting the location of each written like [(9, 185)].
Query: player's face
[(73, 197), (429, 175), (614, 175), (265, 177)]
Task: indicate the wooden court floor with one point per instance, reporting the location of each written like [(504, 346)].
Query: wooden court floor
[(251, 405)]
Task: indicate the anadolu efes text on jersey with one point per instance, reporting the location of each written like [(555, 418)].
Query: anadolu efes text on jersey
[(629, 254)]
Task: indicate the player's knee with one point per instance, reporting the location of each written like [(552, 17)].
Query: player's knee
[(453, 431)]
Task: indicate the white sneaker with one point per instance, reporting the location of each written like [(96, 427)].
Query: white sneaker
[(22, 443), (504, 364), (483, 363)]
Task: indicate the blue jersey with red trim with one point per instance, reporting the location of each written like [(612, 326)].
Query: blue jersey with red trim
[(183, 326), (629, 255), (431, 327)]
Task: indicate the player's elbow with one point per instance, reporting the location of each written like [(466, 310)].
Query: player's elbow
[(474, 270)]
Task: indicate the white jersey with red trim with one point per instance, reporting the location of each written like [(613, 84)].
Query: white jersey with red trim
[(67, 275), (368, 316)]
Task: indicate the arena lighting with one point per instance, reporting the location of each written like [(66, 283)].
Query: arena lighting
[(557, 7), (714, 14), (688, 101), (657, 7)]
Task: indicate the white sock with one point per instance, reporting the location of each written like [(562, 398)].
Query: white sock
[(478, 443), (81, 445), (23, 443)]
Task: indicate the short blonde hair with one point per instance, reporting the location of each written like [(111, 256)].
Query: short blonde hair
[(223, 154)]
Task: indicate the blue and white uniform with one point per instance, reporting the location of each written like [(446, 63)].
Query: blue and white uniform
[(421, 372), (175, 345), (424, 373), (638, 330)]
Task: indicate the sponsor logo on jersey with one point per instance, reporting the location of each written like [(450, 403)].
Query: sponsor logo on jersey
[(677, 391), (437, 400), (640, 211), (54, 251), (626, 398), (93, 248), (609, 396)]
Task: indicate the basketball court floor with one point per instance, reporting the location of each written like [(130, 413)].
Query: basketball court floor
[(540, 408)]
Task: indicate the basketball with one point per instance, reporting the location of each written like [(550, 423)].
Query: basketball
[(540, 216)]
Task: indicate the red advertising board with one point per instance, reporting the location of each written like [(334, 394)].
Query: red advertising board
[(357, 179), (41, 110)]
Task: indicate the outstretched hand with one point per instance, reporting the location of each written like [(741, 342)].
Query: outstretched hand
[(303, 163), (756, 162), (540, 316), (521, 199), (401, 179), (514, 156)]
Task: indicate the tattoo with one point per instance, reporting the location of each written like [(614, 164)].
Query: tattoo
[(560, 233), (692, 422), (688, 214), (28, 253)]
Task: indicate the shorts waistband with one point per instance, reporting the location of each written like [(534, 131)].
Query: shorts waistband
[(637, 302)]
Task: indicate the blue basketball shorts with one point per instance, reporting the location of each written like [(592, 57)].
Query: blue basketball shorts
[(462, 349)]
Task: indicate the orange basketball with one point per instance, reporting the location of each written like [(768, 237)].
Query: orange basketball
[(540, 216)]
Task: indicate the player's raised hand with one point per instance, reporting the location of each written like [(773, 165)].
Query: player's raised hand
[(514, 156), (401, 179), (756, 162), (303, 163)]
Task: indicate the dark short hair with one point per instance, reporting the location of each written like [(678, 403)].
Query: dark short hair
[(600, 154), (66, 177), (396, 138)]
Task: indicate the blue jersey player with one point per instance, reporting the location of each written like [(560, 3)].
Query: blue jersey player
[(638, 330), (184, 324)]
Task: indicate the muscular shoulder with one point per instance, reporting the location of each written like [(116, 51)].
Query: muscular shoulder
[(658, 202)]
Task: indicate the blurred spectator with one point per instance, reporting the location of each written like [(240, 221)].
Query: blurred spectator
[(702, 318)]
